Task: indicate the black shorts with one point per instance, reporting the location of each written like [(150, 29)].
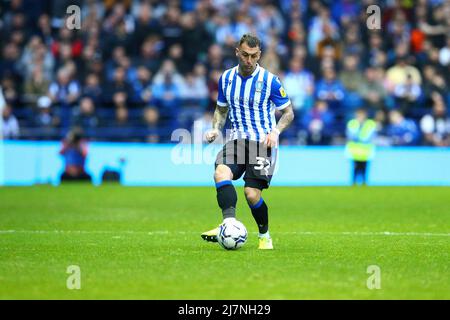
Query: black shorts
[(251, 157)]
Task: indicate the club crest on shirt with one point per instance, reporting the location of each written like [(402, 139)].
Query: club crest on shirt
[(282, 92), (258, 86)]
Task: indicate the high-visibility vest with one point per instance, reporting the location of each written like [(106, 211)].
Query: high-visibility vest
[(362, 148)]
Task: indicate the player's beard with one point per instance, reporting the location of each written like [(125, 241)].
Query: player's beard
[(247, 69)]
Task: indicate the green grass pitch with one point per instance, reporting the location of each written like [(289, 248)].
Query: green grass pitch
[(144, 243)]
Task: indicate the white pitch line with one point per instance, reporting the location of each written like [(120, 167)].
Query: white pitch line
[(166, 232)]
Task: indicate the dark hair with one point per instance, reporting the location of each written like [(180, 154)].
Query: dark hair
[(75, 135), (362, 110), (251, 40)]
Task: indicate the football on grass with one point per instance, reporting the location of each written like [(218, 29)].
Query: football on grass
[(232, 235)]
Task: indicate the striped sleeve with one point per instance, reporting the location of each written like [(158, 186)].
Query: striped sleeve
[(221, 100), (278, 95)]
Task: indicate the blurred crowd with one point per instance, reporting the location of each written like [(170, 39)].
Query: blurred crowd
[(137, 70)]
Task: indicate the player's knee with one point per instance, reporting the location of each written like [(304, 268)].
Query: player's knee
[(252, 195), (222, 173)]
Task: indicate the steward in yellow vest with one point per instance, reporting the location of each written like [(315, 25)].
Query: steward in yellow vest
[(360, 148)]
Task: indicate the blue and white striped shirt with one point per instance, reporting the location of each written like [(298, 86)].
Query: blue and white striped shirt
[(252, 101)]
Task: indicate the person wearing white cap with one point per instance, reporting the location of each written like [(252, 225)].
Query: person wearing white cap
[(45, 118)]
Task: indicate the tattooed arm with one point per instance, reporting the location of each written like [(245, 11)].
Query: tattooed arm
[(287, 115), (220, 117)]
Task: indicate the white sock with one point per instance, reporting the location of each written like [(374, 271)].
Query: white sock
[(229, 220), (265, 235)]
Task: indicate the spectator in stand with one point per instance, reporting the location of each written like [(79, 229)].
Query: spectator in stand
[(374, 50), (398, 51), (329, 41), (435, 24), (93, 89), (10, 128), (381, 119), (150, 53), (118, 85), (268, 21), (270, 59), (168, 68), (331, 90), (46, 118), (398, 28), (64, 93), (118, 37), (95, 66), (84, 115), (431, 57), (10, 91), (36, 85), (16, 28), (170, 27), (194, 87), (407, 95), (231, 28), (166, 89), (194, 94), (434, 81), (350, 75), (372, 90), (44, 28), (167, 98), (9, 65), (435, 127), (176, 54), (215, 58), (296, 34), (66, 37), (151, 125), (321, 27), (402, 131), (142, 86), (36, 56), (318, 123), (194, 32), (352, 41), (299, 84), (122, 119), (351, 78), (329, 58), (146, 24), (120, 100), (117, 54), (399, 73)]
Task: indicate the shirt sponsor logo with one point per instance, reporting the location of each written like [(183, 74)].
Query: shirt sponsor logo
[(259, 86)]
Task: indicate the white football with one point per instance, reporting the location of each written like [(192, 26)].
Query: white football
[(232, 235)]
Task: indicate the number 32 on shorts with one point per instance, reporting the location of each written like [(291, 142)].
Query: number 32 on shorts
[(262, 164)]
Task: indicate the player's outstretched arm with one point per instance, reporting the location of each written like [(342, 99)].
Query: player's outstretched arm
[(220, 117), (287, 115)]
